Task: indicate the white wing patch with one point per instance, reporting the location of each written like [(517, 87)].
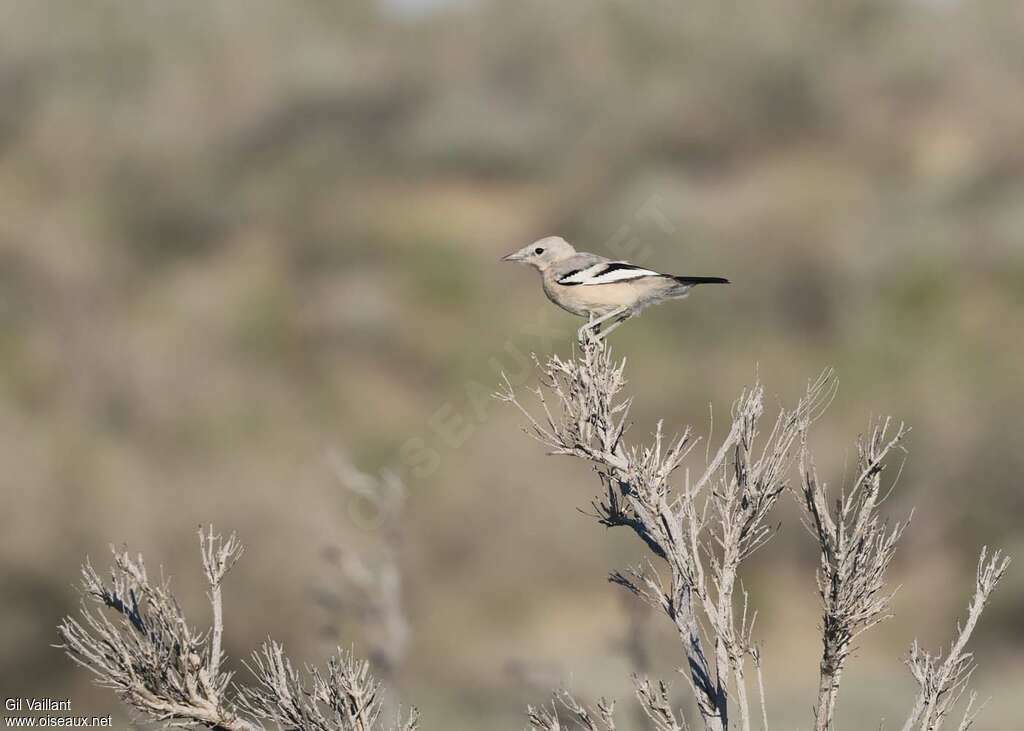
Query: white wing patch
[(607, 273)]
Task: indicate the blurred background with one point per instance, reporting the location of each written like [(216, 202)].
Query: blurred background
[(241, 242)]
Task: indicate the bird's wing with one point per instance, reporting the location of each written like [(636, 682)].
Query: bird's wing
[(604, 272)]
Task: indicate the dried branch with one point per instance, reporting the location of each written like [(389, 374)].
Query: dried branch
[(942, 682), (148, 653), (136, 641), (756, 656), (547, 718), (856, 548), (346, 698), (656, 705), (702, 532), (218, 558)]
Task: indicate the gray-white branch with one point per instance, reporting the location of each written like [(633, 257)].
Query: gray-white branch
[(701, 531), (943, 681), (132, 635)]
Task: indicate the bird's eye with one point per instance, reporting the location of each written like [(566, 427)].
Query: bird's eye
[(538, 250)]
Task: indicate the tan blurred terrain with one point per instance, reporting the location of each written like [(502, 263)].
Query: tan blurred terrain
[(237, 236)]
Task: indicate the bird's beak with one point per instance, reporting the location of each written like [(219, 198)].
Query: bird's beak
[(514, 256)]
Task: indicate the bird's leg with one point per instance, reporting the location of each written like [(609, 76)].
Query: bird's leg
[(594, 325), (615, 324), (583, 328)]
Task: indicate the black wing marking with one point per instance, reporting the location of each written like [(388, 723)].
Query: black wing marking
[(605, 273), (569, 275)]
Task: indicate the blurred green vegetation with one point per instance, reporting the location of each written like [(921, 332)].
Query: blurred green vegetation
[(234, 236)]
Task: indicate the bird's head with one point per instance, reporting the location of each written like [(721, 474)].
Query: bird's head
[(543, 253)]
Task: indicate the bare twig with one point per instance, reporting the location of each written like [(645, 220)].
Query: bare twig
[(942, 682), (655, 703), (856, 549), (756, 655), (218, 558), (547, 718), (346, 697)]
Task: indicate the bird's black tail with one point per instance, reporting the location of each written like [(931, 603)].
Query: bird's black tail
[(701, 280)]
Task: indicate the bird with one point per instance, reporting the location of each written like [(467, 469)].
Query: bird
[(598, 288)]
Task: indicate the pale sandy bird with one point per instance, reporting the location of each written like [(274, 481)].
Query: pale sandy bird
[(598, 288)]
